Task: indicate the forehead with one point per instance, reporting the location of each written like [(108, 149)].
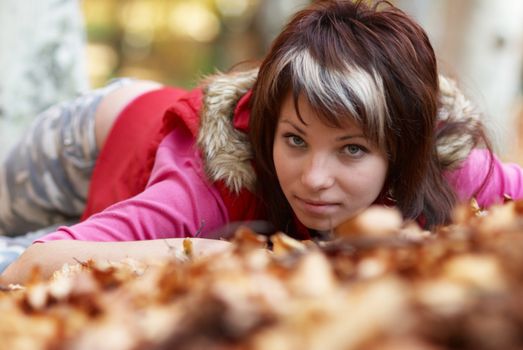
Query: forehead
[(300, 111)]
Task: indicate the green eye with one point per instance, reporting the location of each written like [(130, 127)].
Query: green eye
[(294, 140), (354, 150)]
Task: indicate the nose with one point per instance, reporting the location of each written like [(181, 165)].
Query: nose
[(317, 173)]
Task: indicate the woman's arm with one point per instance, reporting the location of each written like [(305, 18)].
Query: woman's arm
[(50, 256)]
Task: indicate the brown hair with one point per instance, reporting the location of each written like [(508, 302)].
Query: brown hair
[(373, 65)]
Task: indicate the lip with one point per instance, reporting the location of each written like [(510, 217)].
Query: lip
[(316, 207)]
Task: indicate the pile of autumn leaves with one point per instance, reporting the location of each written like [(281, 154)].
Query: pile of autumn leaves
[(380, 283)]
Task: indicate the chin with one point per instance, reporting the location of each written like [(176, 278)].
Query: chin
[(318, 224)]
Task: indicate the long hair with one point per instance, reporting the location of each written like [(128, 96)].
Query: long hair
[(370, 64)]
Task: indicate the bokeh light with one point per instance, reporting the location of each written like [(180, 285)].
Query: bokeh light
[(173, 41), (195, 20)]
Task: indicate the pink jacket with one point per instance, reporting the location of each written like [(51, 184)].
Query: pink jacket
[(178, 201), (504, 179)]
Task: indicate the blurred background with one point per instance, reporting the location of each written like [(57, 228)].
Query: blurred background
[(51, 50)]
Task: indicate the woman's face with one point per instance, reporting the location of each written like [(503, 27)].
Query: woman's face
[(327, 174)]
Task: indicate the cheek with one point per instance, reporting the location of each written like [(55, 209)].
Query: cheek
[(280, 163), (367, 181), (376, 177)]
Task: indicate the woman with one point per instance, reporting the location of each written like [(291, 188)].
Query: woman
[(346, 110)]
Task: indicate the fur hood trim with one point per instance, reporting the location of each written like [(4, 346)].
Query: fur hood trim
[(454, 148), (227, 153)]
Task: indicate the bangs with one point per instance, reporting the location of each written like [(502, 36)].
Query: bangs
[(346, 93)]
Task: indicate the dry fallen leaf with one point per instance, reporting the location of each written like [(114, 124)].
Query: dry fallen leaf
[(380, 284)]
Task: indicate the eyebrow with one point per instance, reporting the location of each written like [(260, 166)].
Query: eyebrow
[(348, 137), (341, 138), (294, 126)]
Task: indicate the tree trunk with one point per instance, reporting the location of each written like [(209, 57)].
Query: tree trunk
[(480, 43), (41, 60)]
